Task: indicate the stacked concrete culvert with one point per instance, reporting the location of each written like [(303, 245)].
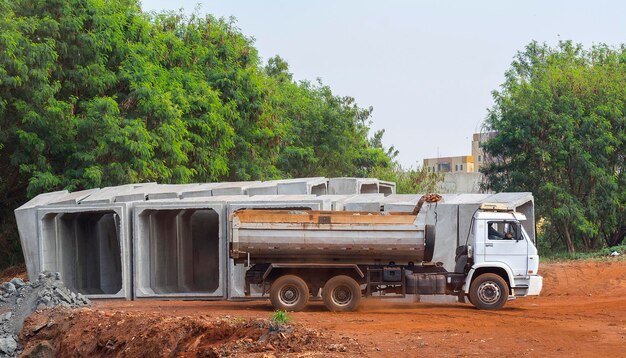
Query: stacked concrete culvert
[(171, 241), (90, 236)]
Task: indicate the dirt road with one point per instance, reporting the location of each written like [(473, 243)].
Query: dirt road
[(582, 312)]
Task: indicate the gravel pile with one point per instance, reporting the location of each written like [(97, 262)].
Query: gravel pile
[(18, 299)]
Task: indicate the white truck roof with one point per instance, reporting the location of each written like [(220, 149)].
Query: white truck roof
[(498, 215)]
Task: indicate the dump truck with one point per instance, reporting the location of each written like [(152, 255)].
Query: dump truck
[(297, 255)]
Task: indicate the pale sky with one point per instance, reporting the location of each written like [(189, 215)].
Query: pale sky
[(427, 67)]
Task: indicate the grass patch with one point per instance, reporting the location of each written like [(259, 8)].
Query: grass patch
[(280, 317), (604, 253)]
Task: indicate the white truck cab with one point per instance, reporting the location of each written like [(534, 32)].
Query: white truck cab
[(500, 248)]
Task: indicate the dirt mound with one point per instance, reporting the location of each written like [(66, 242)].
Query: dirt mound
[(98, 333), (584, 278)]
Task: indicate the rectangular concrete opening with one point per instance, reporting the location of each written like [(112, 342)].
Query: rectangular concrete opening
[(319, 189), (386, 190), (369, 189), (183, 250), (85, 248)]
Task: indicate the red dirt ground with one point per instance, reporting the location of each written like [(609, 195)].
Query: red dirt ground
[(13, 271), (581, 312)]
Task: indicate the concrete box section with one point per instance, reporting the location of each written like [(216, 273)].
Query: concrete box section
[(122, 193), (304, 186), (89, 246), (26, 218), (168, 191), (199, 191), (347, 186), (364, 202), (233, 188), (301, 186), (264, 188), (179, 250), (386, 187), (337, 202)]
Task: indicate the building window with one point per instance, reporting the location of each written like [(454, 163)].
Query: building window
[(479, 158), (456, 168), (461, 167), (443, 167)]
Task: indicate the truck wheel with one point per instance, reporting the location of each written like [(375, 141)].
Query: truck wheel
[(341, 294), (289, 293), (489, 292)]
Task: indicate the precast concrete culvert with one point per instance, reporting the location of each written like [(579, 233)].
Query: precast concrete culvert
[(178, 251), (86, 248)]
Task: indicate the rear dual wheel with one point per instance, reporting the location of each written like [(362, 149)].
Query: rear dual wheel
[(289, 293), (341, 294)]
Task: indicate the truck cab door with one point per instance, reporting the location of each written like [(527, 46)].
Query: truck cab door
[(504, 243)]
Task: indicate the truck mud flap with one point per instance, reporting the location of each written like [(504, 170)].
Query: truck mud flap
[(429, 243)]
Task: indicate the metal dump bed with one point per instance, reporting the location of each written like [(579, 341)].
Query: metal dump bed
[(326, 236)]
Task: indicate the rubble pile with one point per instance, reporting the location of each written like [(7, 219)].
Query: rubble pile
[(18, 299)]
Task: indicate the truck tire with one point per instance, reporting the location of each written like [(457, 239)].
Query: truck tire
[(289, 293), (429, 243), (341, 294), (488, 292)]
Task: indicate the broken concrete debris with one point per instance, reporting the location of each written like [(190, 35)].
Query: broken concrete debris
[(8, 346), (20, 299)]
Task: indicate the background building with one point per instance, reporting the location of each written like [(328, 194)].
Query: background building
[(462, 173), (477, 152), (464, 163)]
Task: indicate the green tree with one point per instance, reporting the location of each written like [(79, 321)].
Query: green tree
[(96, 93), (409, 180), (324, 134), (560, 119)]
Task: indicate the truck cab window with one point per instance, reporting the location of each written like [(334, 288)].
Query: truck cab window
[(502, 230)]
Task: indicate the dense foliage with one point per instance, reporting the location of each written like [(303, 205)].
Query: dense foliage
[(560, 118), (96, 93)]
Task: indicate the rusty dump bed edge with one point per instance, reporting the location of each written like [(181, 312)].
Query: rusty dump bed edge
[(322, 217)]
